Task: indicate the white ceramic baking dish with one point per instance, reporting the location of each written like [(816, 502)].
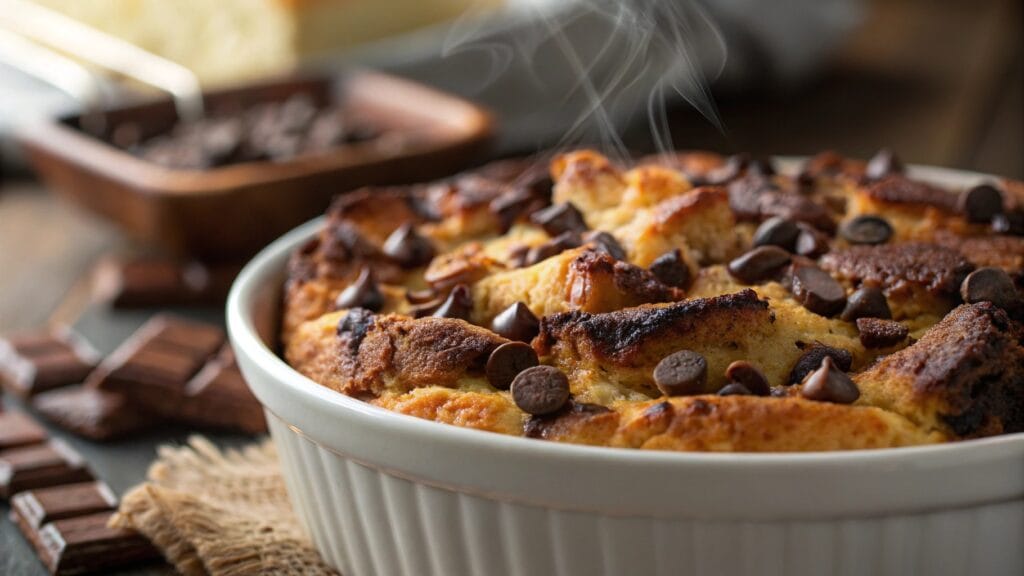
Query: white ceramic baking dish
[(387, 494)]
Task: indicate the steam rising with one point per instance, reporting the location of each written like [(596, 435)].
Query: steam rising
[(604, 61)]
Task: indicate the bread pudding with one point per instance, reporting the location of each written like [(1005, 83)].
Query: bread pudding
[(680, 302)]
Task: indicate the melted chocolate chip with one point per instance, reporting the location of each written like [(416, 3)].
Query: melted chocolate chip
[(817, 291), (363, 293), (681, 373), (866, 302), (878, 333), (354, 326), (512, 204), (866, 229), (540, 390), (883, 163), (760, 264), (830, 384), (981, 203), (735, 389), (408, 247), (749, 376), (606, 243), (507, 361), (459, 304), (812, 358), (516, 322), (553, 247), (810, 242), (990, 285), (671, 269), (560, 218), (777, 231)]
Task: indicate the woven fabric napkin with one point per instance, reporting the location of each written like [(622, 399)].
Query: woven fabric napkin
[(214, 512)]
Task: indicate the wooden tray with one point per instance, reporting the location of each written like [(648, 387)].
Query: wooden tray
[(229, 212)]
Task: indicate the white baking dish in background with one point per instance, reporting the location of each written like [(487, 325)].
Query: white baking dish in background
[(387, 494)]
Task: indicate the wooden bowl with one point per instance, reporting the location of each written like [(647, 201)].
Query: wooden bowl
[(229, 212)]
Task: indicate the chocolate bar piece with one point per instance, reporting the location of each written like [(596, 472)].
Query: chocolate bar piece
[(40, 466), (85, 544), (93, 413), (34, 363), (152, 368), (150, 282), (218, 397), (34, 508), (17, 429)]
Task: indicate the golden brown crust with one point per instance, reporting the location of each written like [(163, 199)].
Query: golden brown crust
[(896, 267)]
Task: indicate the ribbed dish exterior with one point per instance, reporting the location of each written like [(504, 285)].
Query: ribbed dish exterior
[(369, 522)]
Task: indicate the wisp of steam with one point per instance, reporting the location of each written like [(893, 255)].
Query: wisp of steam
[(603, 62)]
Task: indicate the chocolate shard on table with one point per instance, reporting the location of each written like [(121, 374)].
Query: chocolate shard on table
[(218, 397), (40, 466), (17, 429), (155, 364), (152, 282), (93, 413), (36, 362), (85, 544), (31, 509)]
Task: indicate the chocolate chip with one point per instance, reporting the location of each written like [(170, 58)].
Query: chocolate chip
[(560, 218), (408, 247), (811, 360), (735, 389), (606, 243), (878, 333), (354, 326), (810, 242), (866, 229), (761, 263), (866, 302), (749, 376), (540, 390), (553, 247), (1008, 223), (516, 322), (990, 285), (363, 293), (817, 291), (981, 203), (518, 257), (458, 304), (507, 361), (509, 206), (777, 231), (829, 384), (882, 164), (671, 269), (681, 373)]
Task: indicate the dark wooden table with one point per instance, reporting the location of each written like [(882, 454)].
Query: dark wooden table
[(940, 83)]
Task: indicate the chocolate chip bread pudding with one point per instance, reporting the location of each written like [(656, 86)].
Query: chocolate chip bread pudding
[(683, 302)]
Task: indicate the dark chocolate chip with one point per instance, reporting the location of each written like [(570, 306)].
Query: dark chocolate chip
[(811, 360), (681, 373), (671, 269), (829, 384), (516, 322), (1008, 223), (879, 333), (810, 242), (540, 390), (866, 229), (459, 304), (510, 205), (777, 231), (408, 247), (606, 243), (749, 376), (363, 293), (990, 285), (866, 302), (760, 264), (883, 163), (507, 361), (560, 218), (735, 389), (553, 247), (817, 291), (354, 326), (518, 256), (981, 203)]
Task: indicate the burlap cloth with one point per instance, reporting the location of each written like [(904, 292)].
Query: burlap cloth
[(220, 512)]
